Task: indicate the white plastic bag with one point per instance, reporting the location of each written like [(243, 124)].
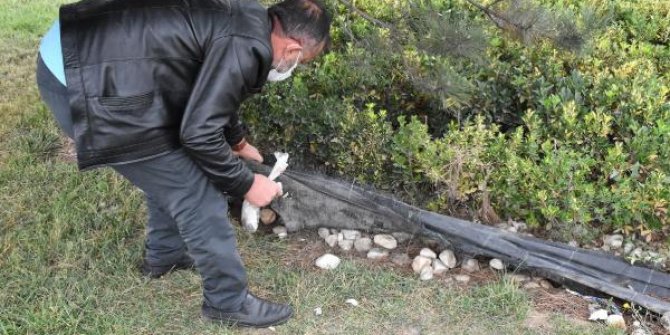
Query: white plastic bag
[(250, 213)]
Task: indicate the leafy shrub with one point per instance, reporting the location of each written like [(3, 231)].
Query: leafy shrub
[(533, 133)]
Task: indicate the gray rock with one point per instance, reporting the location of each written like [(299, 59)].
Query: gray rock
[(386, 241), (401, 260), (613, 241), (439, 267), (470, 265), (402, 237), (363, 244), (420, 262), (426, 273), (334, 231), (340, 236), (377, 253), (346, 245), (328, 261), (628, 247), (573, 244), (496, 264), (520, 226), (324, 232), (512, 229), (331, 240), (640, 331), (462, 278), (280, 231), (350, 234), (637, 253), (426, 252), (665, 321), (448, 258)]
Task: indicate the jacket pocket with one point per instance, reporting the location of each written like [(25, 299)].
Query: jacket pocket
[(127, 103)]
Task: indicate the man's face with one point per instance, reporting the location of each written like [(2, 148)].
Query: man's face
[(290, 49)]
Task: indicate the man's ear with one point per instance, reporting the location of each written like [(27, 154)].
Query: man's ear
[(293, 48)]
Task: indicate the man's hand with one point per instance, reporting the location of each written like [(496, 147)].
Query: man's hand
[(262, 191), (247, 151)]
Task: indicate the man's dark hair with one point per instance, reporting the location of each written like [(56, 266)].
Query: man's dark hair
[(306, 21)]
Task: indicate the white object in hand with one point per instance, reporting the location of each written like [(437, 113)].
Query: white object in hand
[(250, 213)]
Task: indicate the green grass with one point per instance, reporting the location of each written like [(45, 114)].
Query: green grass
[(69, 243)]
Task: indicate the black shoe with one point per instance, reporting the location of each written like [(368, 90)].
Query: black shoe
[(255, 312), (157, 271)]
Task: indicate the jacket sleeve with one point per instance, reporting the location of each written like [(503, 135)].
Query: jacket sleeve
[(229, 71)]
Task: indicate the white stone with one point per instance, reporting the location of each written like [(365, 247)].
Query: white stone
[(439, 267), (637, 253), (426, 273), (613, 241), (512, 229), (386, 241), (616, 321), (546, 284), (377, 253), (420, 262), (272, 329), (517, 278), (350, 234), (573, 244), (462, 278), (665, 321), (334, 231), (280, 231), (598, 315), (470, 265), (324, 232), (340, 237), (531, 285), (402, 237), (331, 240), (496, 264), (318, 311), (268, 216), (328, 261), (363, 244), (346, 245), (426, 252), (352, 302), (448, 258)]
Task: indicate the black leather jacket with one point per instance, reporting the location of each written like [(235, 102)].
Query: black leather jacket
[(146, 77)]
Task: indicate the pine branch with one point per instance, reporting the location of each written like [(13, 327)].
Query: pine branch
[(495, 17), (366, 16)]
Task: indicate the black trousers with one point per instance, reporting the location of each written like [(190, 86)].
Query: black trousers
[(186, 211)]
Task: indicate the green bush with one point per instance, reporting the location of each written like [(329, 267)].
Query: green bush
[(550, 137)]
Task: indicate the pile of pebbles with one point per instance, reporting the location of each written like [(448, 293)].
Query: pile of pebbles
[(430, 263), (427, 265)]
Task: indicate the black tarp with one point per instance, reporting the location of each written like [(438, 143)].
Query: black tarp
[(313, 200)]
